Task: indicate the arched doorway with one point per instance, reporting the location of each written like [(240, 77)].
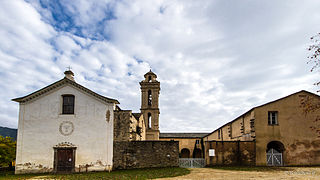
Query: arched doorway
[(197, 153), (185, 153), (275, 151)]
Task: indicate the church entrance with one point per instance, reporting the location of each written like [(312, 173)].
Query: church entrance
[(64, 159)]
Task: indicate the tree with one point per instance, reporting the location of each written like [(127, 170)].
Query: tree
[(314, 57), (7, 151), (310, 104)]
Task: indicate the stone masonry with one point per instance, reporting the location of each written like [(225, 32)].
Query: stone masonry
[(231, 153), (145, 154)]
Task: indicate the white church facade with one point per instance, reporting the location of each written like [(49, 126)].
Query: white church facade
[(65, 127)]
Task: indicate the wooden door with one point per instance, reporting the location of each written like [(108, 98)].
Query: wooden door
[(65, 160)]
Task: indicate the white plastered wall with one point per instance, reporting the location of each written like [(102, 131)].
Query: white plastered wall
[(38, 132)]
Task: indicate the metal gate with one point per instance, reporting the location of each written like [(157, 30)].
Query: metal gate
[(274, 158), (192, 162)]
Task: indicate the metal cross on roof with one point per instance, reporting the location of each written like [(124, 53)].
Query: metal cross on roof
[(69, 68)]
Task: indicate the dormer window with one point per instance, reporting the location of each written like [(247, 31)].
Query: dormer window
[(68, 104)]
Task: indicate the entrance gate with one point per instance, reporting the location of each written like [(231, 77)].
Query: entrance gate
[(274, 158), (192, 162)]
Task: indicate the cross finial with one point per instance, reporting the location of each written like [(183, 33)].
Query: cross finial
[(69, 68)]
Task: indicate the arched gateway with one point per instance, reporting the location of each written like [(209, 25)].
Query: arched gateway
[(275, 151), (185, 153)]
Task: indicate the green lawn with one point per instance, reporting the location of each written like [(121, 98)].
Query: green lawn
[(149, 173)]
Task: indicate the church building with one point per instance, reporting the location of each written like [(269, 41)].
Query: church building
[(65, 127)]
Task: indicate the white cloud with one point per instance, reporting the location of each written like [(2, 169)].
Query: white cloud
[(214, 59)]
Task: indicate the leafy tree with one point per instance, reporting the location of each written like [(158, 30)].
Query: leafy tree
[(7, 151)]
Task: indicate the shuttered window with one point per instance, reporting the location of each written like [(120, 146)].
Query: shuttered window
[(273, 118), (68, 104)]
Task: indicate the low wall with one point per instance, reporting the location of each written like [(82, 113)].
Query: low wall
[(231, 153), (145, 154)]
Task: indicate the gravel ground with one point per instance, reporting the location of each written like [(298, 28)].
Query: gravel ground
[(305, 173)]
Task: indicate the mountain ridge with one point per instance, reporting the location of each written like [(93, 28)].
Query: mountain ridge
[(10, 132)]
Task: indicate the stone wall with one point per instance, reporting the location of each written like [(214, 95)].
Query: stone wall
[(145, 154), (231, 153), (126, 126), (188, 144), (121, 130)]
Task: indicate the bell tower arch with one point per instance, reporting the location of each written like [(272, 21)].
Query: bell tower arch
[(150, 90)]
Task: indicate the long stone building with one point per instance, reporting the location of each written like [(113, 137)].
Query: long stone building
[(281, 132)]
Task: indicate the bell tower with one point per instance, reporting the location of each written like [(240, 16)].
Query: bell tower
[(150, 90)]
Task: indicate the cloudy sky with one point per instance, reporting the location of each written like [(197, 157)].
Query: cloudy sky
[(214, 59)]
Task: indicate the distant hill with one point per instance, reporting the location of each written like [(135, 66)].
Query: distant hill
[(4, 131)]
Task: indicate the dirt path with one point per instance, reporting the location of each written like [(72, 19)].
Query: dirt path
[(312, 173)]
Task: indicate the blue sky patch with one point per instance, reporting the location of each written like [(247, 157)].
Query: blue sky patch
[(64, 20)]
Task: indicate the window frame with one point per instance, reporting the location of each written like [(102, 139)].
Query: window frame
[(271, 121), (65, 105)]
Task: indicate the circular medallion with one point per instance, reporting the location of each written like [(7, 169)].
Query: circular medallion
[(66, 128)]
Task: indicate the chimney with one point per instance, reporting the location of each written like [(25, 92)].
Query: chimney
[(69, 74)]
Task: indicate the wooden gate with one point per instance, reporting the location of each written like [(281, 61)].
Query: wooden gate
[(192, 162), (64, 160), (274, 158)]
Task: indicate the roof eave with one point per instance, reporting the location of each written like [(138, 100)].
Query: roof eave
[(64, 80)]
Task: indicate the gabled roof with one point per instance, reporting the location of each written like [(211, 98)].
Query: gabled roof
[(60, 83), (263, 105), (182, 135)]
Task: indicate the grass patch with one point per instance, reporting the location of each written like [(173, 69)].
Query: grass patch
[(148, 173), (252, 168)]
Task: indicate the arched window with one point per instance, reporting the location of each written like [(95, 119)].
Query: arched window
[(68, 104), (149, 120), (149, 79), (149, 98)]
